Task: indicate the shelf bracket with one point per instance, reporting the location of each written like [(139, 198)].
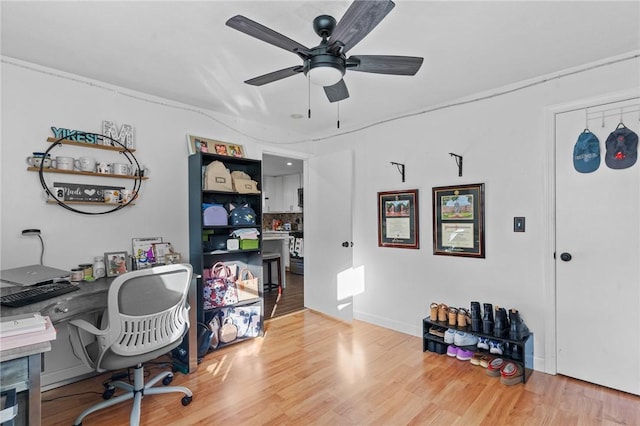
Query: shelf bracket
[(400, 168), (458, 159)]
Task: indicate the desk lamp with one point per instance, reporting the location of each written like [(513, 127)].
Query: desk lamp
[(36, 232)]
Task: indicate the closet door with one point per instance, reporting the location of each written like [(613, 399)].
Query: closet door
[(329, 278), (598, 286)]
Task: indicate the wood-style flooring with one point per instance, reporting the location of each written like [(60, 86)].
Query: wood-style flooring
[(312, 369), (292, 299)]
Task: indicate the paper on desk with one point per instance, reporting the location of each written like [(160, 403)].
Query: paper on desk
[(31, 338), (20, 324)]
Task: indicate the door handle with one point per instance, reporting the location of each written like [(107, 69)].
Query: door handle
[(566, 257), (347, 244)]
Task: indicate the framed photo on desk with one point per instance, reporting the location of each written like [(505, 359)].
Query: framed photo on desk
[(116, 263)]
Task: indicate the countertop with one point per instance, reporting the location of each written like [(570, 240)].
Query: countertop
[(275, 235)]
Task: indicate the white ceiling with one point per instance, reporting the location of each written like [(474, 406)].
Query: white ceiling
[(183, 51)]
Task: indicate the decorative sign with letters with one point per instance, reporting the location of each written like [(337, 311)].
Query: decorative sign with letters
[(78, 192), (125, 136), (109, 134)]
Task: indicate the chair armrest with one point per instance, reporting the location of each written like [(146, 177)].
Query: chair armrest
[(88, 327), (78, 345)]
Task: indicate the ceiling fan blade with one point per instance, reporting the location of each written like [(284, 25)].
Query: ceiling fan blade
[(259, 31), (337, 92), (385, 64), (358, 21), (275, 76)]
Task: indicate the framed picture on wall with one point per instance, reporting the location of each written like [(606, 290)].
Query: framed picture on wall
[(200, 144), (398, 219), (458, 220)]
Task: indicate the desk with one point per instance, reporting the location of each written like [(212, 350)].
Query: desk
[(20, 369), (60, 366)]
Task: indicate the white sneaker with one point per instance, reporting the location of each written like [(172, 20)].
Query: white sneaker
[(465, 339), (497, 348), (483, 343), (449, 335)]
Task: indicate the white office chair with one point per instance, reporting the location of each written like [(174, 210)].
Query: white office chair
[(146, 317)]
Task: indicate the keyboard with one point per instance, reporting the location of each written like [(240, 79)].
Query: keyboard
[(37, 294)]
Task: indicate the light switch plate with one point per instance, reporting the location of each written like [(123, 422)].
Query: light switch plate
[(518, 224)]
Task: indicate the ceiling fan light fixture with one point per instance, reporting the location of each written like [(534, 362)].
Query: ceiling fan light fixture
[(325, 75)]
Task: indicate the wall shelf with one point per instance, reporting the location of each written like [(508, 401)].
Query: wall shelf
[(78, 172), (89, 145), (91, 203)]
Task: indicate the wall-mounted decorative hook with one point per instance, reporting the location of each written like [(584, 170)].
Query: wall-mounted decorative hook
[(400, 168), (458, 162)]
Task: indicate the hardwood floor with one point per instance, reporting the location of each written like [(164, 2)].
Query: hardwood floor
[(292, 299), (312, 369)]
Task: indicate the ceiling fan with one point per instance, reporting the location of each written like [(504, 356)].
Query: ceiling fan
[(327, 63)]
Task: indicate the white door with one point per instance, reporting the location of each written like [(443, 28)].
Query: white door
[(328, 273), (598, 288)]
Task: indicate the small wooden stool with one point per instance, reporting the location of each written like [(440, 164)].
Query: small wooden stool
[(267, 260)]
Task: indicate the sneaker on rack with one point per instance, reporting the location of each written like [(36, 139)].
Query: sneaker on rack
[(465, 339), (464, 355), (483, 343), (437, 331), (495, 347), (477, 358), (449, 335), (485, 360), (452, 351)]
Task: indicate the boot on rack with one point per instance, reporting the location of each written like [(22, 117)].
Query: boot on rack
[(501, 326), (476, 317), (518, 329), (487, 319)]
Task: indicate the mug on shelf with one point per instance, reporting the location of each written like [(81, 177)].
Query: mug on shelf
[(64, 163), (39, 158), (103, 167), (85, 164), (142, 171), (120, 169), (127, 195), (111, 196)]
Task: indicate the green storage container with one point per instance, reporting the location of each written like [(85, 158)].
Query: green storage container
[(248, 244)]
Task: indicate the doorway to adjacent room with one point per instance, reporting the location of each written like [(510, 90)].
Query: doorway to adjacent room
[(283, 220)]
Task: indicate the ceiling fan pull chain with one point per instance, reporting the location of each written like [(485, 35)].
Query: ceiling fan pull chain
[(309, 96), (338, 105)]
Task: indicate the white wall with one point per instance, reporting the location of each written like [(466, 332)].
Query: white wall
[(33, 100), (503, 140), (505, 145)]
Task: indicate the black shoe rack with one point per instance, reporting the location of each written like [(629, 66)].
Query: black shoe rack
[(518, 351)]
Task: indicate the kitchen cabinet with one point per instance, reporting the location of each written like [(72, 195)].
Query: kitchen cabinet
[(290, 185), (281, 193), (273, 194)]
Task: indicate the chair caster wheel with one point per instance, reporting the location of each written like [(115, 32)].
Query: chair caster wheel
[(167, 380), (186, 400), (108, 392)]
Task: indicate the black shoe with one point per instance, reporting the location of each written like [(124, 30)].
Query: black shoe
[(476, 317), (518, 329), (487, 319), (501, 326), (516, 353)]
